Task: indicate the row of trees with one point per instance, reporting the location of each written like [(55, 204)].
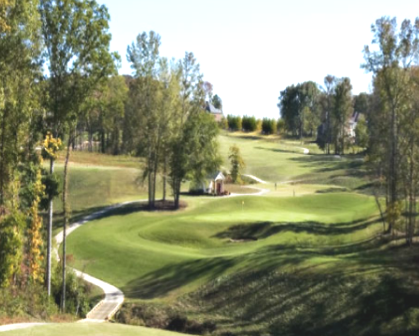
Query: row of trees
[(58, 83), (168, 125), (393, 120), (251, 124), (71, 40), (308, 109), (388, 128)]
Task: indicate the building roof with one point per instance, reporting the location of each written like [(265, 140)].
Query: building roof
[(212, 109), (220, 177)]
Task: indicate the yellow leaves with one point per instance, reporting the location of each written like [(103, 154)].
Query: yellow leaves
[(52, 146), (4, 27)]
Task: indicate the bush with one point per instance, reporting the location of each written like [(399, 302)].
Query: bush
[(268, 126), (234, 123), (163, 318), (249, 124), (77, 292)]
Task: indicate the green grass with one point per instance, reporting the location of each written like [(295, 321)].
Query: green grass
[(89, 329), (313, 264), (276, 160), (200, 237), (92, 188)]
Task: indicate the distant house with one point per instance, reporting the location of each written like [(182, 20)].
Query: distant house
[(350, 127), (353, 121), (217, 113), (216, 186)]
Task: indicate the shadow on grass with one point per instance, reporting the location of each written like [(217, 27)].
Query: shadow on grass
[(278, 150), (108, 211), (161, 282), (379, 295), (263, 230)]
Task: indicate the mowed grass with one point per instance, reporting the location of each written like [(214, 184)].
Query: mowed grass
[(92, 188), (308, 258), (89, 329), (278, 161), (161, 255)]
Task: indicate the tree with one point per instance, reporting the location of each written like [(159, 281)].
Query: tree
[(144, 58), (361, 133), (76, 38), (11, 242), (342, 109), (268, 126), (236, 162), (396, 52), (208, 89), (234, 122), (19, 70), (249, 124), (362, 103), (194, 144), (295, 102), (217, 102), (327, 106), (50, 151)]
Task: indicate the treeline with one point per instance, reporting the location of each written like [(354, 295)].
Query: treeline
[(326, 113), (59, 87), (393, 119), (38, 107), (166, 121), (387, 124), (251, 124)]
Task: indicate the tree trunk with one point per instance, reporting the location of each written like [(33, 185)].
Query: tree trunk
[(164, 178), (3, 160), (49, 244), (177, 195), (102, 141), (393, 174), (90, 141), (66, 219)]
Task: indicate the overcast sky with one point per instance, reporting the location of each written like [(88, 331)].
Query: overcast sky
[(250, 50)]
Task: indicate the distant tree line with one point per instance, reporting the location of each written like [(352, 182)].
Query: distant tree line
[(324, 112), (387, 127), (251, 124)]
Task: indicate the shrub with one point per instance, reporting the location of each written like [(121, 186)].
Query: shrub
[(234, 123), (268, 126), (249, 124)]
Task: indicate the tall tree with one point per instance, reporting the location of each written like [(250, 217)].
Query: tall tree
[(342, 110), (144, 57), (396, 52), (19, 69), (237, 163), (76, 38)]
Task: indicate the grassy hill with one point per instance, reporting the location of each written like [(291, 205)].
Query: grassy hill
[(313, 264)]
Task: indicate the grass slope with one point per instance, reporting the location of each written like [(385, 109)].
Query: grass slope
[(89, 329), (314, 264), (158, 255)]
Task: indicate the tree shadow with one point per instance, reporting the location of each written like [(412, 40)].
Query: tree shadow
[(161, 282), (278, 150), (262, 230), (100, 212)]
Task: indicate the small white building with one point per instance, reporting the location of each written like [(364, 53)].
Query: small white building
[(216, 186)]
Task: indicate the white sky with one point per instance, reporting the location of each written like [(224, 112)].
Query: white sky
[(250, 50)]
